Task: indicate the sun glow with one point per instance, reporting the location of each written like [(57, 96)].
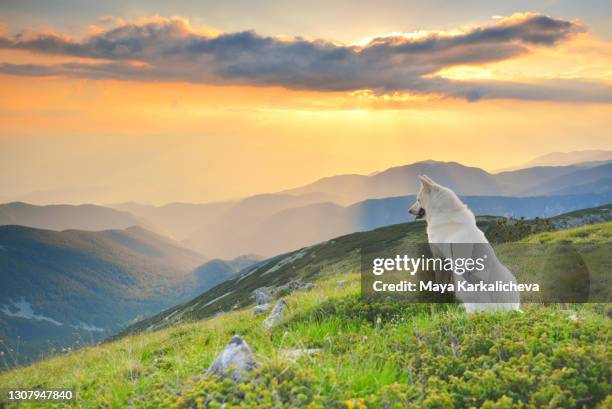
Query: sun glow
[(370, 95), (464, 72)]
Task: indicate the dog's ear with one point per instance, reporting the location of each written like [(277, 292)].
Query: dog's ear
[(426, 182), (430, 180)]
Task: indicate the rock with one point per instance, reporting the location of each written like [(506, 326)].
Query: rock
[(341, 283), (260, 309), (276, 316), (262, 296), (233, 361)]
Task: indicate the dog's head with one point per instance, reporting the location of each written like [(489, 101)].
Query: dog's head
[(433, 198), (419, 208)]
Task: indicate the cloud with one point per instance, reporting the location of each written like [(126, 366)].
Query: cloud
[(169, 49)]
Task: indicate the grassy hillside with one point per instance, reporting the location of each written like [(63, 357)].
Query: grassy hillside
[(371, 355), (583, 216)]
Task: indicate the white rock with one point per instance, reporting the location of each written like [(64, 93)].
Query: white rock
[(233, 361), (260, 309), (262, 296), (276, 316)]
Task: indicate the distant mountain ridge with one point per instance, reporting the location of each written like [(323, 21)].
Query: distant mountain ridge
[(403, 180), (464, 180), (184, 220), (584, 158), (178, 220), (321, 209), (593, 177), (318, 210), (570, 158), (303, 226), (62, 217), (263, 231)]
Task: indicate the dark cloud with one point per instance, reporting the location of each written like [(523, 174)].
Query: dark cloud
[(170, 50)]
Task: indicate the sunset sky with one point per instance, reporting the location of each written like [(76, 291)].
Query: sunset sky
[(201, 101)]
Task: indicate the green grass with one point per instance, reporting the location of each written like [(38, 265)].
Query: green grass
[(408, 356), (589, 234), (373, 355)]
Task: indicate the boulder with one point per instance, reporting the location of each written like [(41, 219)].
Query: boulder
[(277, 314), (262, 296), (260, 309), (234, 361)]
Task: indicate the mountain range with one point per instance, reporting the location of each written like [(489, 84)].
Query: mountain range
[(465, 180), (302, 226), (267, 224), (570, 158), (273, 223), (590, 157)]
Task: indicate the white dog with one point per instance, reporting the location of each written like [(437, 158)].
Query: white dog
[(453, 234)]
